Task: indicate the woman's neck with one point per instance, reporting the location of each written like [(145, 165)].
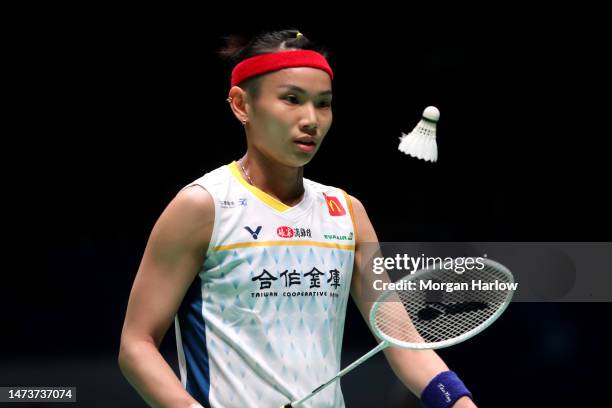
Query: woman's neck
[(281, 182)]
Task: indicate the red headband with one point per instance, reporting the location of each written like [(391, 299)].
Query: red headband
[(261, 64)]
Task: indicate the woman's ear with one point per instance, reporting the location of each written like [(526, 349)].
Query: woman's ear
[(238, 101)]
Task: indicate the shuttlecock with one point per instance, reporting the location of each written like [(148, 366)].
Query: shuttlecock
[(421, 142)]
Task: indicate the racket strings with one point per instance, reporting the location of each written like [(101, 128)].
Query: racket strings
[(424, 315)]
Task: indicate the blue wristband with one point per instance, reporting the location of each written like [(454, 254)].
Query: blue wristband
[(443, 391)]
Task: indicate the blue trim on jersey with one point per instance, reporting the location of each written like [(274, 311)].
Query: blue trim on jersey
[(193, 335)]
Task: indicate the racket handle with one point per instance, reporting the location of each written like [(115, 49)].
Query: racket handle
[(287, 405)]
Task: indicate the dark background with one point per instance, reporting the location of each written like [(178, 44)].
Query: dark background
[(127, 106)]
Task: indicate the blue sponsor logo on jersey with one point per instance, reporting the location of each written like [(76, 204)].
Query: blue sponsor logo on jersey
[(304, 282), (255, 233), (242, 202)]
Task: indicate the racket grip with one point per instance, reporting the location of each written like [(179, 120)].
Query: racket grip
[(287, 406)]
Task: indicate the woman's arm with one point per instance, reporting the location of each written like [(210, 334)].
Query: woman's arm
[(172, 258), (415, 368)]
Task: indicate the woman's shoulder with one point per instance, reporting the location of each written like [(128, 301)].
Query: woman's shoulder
[(212, 178)]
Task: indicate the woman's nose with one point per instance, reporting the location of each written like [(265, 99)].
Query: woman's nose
[(310, 118), (310, 128)]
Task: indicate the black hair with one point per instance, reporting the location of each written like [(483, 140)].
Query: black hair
[(237, 48)]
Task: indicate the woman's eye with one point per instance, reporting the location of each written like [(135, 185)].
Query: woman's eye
[(292, 98)]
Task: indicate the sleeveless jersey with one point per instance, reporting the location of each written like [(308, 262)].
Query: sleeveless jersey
[(262, 322)]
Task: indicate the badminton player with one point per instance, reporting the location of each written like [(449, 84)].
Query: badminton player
[(254, 263)]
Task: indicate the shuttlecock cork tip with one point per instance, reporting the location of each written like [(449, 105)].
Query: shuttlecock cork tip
[(431, 113)]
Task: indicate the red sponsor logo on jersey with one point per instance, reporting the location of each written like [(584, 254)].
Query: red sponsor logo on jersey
[(285, 232), (334, 206)]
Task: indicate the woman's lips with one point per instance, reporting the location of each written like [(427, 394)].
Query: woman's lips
[(305, 146)]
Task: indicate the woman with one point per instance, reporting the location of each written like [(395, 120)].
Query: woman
[(255, 263)]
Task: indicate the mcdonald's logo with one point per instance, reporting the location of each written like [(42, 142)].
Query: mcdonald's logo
[(334, 206)]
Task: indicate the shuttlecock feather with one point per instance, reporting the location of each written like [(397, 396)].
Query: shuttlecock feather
[(421, 142)]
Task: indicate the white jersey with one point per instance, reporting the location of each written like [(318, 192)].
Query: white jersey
[(262, 323)]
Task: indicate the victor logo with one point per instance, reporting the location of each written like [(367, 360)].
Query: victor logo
[(255, 233)]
